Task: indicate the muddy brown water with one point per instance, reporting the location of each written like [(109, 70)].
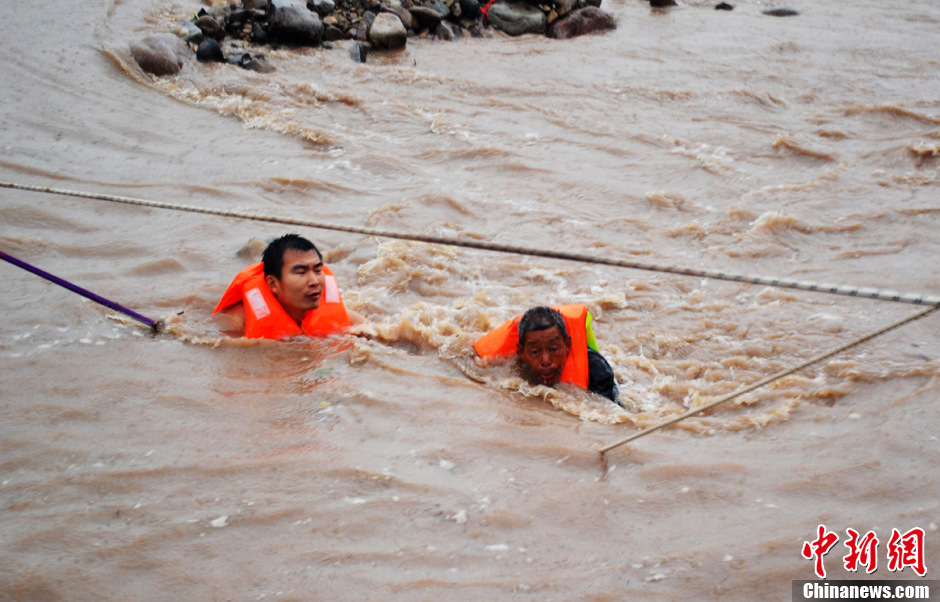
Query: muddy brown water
[(192, 466)]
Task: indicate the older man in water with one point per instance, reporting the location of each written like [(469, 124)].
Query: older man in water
[(290, 292), (556, 344)]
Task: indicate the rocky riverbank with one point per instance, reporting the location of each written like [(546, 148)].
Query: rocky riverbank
[(222, 33)]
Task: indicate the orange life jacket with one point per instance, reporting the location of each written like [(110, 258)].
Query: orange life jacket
[(503, 342), (266, 319)]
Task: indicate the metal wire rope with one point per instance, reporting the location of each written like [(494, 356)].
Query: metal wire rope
[(770, 379), (834, 289)]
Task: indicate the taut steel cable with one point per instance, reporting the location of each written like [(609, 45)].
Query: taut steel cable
[(770, 379), (833, 289)]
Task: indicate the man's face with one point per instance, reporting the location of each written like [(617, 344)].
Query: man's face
[(545, 352), (301, 284)]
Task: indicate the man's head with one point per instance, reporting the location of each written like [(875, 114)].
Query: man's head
[(544, 343), (293, 269), (273, 256)]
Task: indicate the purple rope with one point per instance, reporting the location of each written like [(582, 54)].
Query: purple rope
[(154, 325)]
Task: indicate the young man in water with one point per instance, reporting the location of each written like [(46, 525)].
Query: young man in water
[(556, 345), (291, 292)]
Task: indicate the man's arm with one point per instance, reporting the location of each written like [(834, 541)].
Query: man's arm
[(231, 320), (601, 379), (359, 325)]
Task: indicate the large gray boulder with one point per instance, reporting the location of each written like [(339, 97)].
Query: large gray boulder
[(437, 6), (189, 32), (387, 32), (426, 18), (290, 22), (321, 7), (404, 15), (469, 9), (210, 51), (517, 18), (444, 31), (580, 22), (161, 54), (563, 7), (211, 27)]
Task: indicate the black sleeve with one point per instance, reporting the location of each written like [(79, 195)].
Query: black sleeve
[(601, 377)]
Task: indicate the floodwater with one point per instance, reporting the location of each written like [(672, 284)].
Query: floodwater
[(193, 466)]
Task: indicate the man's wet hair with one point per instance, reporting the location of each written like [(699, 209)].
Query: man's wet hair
[(541, 318), (273, 257)]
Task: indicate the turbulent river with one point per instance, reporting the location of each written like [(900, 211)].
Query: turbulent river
[(190, 465)]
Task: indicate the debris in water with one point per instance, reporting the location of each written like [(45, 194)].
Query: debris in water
[(781, 12)]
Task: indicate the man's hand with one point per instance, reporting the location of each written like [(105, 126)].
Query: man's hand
[(360, 326)]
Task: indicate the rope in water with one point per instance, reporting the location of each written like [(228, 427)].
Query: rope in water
[(834, 289), (772, 378), (155, 325)]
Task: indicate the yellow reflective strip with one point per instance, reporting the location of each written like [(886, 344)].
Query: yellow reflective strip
[(591, 341)]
